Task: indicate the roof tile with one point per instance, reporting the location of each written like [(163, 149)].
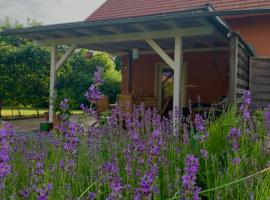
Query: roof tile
[(114, 9)]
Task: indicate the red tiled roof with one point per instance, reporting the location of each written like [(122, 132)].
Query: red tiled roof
[(113, 9)]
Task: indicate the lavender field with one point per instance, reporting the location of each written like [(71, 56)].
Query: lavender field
[(140, 156)]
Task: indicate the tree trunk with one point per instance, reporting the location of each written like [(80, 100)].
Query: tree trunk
[(19, 112), (1, 106), (37, 112)]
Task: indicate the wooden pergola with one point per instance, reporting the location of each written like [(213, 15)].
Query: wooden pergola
[(195, 30)]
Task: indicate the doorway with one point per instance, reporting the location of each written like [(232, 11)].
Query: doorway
[(164, 86)]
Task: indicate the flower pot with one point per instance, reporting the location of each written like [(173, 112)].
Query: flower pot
[(46, 126)]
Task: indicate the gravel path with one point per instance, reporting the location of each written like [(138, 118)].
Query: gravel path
[(33, 125), (26, 125)]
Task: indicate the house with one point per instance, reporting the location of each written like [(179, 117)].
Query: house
[(179, 50)]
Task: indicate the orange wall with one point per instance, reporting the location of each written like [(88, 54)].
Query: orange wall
[(255, 30), (208, 70)]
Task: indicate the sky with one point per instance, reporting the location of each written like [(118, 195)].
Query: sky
[(48, 11)]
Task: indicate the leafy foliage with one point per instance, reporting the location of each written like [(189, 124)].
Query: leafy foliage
[(25, 71), (77, 73)]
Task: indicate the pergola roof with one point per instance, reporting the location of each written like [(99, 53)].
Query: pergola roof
[(199, 28)]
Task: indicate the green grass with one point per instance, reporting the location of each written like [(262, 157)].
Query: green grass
[(28, 112), (25, 112)]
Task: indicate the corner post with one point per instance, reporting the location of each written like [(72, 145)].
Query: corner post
[(178, 62), (52, 81), (233, 68), (129, 71)]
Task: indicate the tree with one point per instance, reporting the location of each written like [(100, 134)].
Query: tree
[(76, 75), (24, 68)]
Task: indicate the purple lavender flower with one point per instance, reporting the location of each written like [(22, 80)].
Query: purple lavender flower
[(146, 184), (146, 188), (246, 104), (203, 134), (204, 153), (71, 138), (234, 137), (43, 193), (39, 168), (92, 196), (189, 188), (112, 169), (98, 76), (6, 131), (199, 123), (155, 143), (25, 193), (93, 94), (185, 134), (64, 105), (237, 160)]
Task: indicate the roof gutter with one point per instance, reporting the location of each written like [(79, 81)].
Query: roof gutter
[(195, 13)]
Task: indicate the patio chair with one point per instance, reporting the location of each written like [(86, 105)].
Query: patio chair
[(220, 106), (102, 106), (125, 103)]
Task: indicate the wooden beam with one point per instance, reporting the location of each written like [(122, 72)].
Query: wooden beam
[(86, 32), (233, 68), (161, 53), (141, 27), (178, 62), (184, 50), (99, 39), (112, 30), (65, 56), (40, 36), (171, 24), (62, 33), (52, 81)]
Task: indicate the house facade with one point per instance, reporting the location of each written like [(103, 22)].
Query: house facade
[(206, 67)]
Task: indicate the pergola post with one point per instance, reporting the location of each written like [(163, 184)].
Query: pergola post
[(233, 68), (129, 71), (176, 65), (55, 65), (52, 81), (178, 62)]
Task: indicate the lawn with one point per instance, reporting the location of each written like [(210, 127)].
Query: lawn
[(6, 112), (28, 112)]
